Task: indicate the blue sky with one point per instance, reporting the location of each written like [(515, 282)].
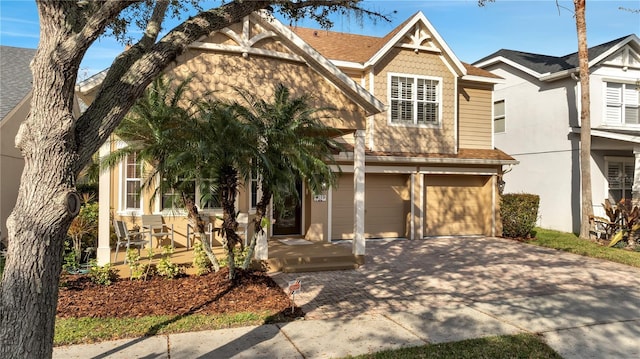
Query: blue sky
[(472, 32)]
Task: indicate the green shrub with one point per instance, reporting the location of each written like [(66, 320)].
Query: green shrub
[(201, 262), (103, 275), (519, 213), (164, 267)]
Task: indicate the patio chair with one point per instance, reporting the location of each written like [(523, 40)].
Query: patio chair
[(192, 232), (153, 226), (126, 239), (243, 226)]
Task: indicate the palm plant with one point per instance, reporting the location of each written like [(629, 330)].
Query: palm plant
[(162, 133), (294, 143), (230, 144)]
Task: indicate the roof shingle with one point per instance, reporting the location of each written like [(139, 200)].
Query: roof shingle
[(15, 76)]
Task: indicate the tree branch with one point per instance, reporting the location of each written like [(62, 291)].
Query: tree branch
[(135, 68)]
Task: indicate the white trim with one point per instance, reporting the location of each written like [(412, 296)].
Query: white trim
[(615, 48), (378, 169), (419, 17), (348, 64), (497, 59), (493, 205), (490, 80), (244, 50), (457, 170), (329, 213), (456, 120), (414, 101), (412, 205), (420, 48), (428, 160)]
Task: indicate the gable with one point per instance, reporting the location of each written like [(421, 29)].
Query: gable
[(627, 57)]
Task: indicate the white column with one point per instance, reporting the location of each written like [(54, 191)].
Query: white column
[(358, 193), (417, 206), (635, 189), (103, 253)]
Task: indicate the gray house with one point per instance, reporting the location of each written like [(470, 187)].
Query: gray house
[(537, 121), (15, 100)]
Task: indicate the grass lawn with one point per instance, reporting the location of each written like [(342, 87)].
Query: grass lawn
[(507, 346), (89, 330), (569, 242)]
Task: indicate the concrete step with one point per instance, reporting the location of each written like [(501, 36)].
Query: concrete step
[(320, 266)]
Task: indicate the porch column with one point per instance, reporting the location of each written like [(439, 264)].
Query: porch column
[(103, 252), (417, 206), (358, 193), (635, 189)]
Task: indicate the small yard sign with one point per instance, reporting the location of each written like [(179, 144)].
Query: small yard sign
[(294, 287)]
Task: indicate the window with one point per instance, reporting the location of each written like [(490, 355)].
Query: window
[(620, 178), (132, 183), (622, 104), (499, 119), (414, 100), (204, 196), (254, 190)]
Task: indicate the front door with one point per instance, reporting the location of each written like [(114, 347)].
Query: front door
[(289, 219)]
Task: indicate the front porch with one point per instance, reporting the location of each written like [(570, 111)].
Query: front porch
[(297, 256)]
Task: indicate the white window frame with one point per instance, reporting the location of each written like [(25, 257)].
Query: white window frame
[(625, 161), (500, 117), (181, 211), (622, 105), (124, 179), (414, 100)]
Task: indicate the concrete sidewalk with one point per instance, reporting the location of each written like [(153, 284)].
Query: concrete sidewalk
[(417, 292)]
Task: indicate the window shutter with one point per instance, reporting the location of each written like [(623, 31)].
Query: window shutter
[(631, 104), (613, 113), (614, 175)]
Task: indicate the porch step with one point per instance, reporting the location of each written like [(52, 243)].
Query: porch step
[(319, 267)]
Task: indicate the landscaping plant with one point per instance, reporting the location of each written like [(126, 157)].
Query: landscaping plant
[(201, 262), (519, 213), (164, 267), (103, 275)]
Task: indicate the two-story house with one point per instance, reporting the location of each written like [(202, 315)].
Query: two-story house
[(537, 120), (417, 124)]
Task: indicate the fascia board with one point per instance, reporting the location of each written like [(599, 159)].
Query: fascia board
[(504, 60), (391, 43), (490, 80)]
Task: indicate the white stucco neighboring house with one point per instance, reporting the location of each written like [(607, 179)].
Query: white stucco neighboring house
[(537, 121), (15, 103)]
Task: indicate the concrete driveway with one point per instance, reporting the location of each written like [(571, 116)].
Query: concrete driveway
[(448, 289)]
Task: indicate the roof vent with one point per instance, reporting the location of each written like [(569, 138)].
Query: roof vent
[(315, 33)]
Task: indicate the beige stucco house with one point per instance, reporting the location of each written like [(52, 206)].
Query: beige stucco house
[(417, 124)]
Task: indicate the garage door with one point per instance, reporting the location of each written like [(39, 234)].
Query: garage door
[(386, 206), (458, 205)]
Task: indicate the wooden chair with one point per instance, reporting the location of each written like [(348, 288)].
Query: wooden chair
[(153, 226), (126, 239)]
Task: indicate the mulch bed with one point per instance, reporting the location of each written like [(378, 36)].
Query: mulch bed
[(212, 293)]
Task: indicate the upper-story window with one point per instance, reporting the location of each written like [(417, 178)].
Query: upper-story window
[(132, 179), (622, 104), (499, 118), (415, 100)]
